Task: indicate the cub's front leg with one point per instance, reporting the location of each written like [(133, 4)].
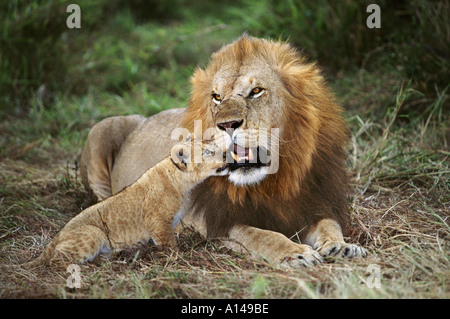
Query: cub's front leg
[(160, 228)]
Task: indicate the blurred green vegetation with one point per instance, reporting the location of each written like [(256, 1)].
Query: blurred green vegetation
[(123, 43), (414, 36), (137, 56)]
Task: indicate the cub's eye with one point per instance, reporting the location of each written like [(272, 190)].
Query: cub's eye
[(256, 92), (216, 98), (207, 152)]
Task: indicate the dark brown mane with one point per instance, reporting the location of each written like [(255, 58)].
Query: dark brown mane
[(311, 182)]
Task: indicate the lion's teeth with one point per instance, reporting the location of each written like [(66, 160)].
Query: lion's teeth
[(250, 154), (239, 159)]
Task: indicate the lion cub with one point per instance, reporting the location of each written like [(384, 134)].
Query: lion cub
[(143, 211)]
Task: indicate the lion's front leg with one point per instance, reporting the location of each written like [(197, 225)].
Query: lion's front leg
[(272, 246), (326, 237), (260, 243)]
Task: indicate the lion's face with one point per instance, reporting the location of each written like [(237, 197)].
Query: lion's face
[(245, 102)]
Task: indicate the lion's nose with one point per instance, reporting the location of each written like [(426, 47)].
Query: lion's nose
[(230, 124)]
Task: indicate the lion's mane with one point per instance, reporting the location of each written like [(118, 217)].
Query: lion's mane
[(311, 182)]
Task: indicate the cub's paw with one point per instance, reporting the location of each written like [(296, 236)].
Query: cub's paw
[(340, 249), (303, 256)]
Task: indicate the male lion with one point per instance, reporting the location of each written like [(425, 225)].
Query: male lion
[(251, 85)]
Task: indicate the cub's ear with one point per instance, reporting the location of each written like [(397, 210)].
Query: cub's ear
[(180, 154)]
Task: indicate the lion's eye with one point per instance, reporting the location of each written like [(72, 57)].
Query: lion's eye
[(216, 98), (256, 92)]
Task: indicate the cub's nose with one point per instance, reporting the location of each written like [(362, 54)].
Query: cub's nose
[(230, 124)]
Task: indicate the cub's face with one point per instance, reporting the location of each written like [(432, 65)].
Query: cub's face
[(202, 159)]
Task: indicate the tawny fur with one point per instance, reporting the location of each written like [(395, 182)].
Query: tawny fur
[(141, 212)]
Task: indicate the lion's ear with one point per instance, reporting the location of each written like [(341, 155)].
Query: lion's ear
[(181, 154)]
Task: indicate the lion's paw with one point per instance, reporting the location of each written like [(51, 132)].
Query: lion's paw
[(305, 256), (340, 249)]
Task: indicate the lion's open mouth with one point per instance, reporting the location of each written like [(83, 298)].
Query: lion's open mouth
[(246, 157)]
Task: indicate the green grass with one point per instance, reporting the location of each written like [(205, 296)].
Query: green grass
[(130, 57)]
